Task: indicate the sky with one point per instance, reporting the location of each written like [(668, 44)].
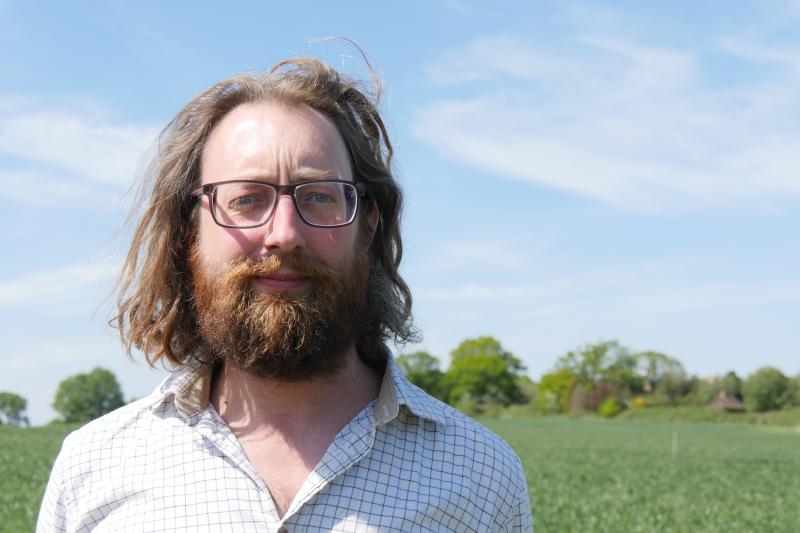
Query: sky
[(573, 171)]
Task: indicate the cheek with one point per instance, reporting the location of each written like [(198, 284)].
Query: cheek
[(335, 246), (220, 247)]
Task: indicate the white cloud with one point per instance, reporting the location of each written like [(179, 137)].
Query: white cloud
[(78, 139), (41, 190), (64, 282), (634, 126)]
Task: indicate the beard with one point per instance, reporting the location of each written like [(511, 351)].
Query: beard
[(285, 337)]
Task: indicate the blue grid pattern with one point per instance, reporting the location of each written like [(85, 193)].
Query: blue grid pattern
[(407, 462)]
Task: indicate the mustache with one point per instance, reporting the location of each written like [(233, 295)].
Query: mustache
[(265, 266)]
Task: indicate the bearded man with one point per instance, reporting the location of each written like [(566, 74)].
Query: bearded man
[(264, 268)]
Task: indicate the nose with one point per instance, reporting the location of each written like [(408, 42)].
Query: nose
[(284, 230)]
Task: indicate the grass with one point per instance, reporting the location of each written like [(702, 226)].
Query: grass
[(583, 475), (26, 457), (597, 475)]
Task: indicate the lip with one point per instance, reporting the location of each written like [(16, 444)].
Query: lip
[(279, 282)]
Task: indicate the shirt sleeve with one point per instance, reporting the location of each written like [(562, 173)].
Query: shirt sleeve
[(53, 513), (521, 520)]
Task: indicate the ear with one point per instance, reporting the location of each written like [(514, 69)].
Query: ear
[(372, 220)]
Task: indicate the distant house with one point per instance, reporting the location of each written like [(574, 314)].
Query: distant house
[(725, 402)]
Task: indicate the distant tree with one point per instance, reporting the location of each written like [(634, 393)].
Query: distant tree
[(593, 363), (655, 366), (603, 362), (422, 369), (528, 388), (765, 389), (490, 347), (731, 384), (555, 391), (12, 409), (84, 397), (673, 387), (793, 392), (486, 379)]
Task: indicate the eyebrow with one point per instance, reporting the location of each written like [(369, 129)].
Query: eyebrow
[(312, 174)]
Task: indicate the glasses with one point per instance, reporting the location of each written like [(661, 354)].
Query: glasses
[(249, 204)]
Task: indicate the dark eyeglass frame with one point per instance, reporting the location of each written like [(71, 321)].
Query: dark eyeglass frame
[(280, 190)]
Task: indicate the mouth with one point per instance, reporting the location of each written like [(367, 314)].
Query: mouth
[(279, 282)]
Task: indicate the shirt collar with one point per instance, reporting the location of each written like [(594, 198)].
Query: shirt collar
[(190, 387)]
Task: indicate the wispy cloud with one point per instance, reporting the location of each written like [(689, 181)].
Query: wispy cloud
[(631, 125), (82, 141), (788, 57), (67, 151), (40, 190), (58, 284)]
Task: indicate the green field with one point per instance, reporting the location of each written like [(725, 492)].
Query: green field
[(26, 456), (596, 475), (583, 475)]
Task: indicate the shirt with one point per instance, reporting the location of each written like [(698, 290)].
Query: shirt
[(168, 462)]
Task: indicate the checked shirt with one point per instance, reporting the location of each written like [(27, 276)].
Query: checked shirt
[(169, 463)]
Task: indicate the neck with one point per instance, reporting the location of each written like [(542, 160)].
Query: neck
[(251, 405)]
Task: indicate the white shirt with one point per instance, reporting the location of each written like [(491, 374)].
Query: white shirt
[(168, 462)]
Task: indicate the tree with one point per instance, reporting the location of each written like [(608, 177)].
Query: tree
[(12, 409), (422, 369), (731, 384), (555, 391), (485, 378), (765, 389), (793, 392), (84, 397), (490, 347), (606, 362), (656, 366)]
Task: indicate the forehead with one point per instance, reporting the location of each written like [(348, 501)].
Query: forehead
[(274, 142)]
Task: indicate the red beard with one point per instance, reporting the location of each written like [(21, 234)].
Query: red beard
[(289, 338)]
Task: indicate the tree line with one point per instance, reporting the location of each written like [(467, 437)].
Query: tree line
[(604, 378), (483, 378)]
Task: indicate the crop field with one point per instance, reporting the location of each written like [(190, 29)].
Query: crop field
[(596, 475), (583, 475), (26, 456)]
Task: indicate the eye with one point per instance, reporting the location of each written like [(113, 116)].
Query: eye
[(320, 198), (320, 194), (245, 202)]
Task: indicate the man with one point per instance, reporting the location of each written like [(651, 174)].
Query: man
[(265, 270)]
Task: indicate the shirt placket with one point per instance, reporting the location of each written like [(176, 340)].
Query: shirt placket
[(349, 447), (213, 429)]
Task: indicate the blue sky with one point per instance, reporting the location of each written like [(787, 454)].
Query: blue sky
[(574, 171)]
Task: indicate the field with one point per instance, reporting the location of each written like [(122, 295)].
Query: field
[(583, 475), (596, 475), (26, 456)]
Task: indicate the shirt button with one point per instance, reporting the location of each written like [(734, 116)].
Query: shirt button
[(283, 529)]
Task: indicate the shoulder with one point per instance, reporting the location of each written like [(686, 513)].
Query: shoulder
[(110, 425), (467, 456), (98, 450), (131, 422), (463, 434), (456, 433)]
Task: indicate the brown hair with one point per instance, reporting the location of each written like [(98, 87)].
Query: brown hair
[(155, 308)]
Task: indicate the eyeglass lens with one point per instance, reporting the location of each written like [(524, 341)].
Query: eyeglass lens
[(323, 203)]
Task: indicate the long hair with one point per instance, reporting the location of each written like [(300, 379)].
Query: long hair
[(155, 305)]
